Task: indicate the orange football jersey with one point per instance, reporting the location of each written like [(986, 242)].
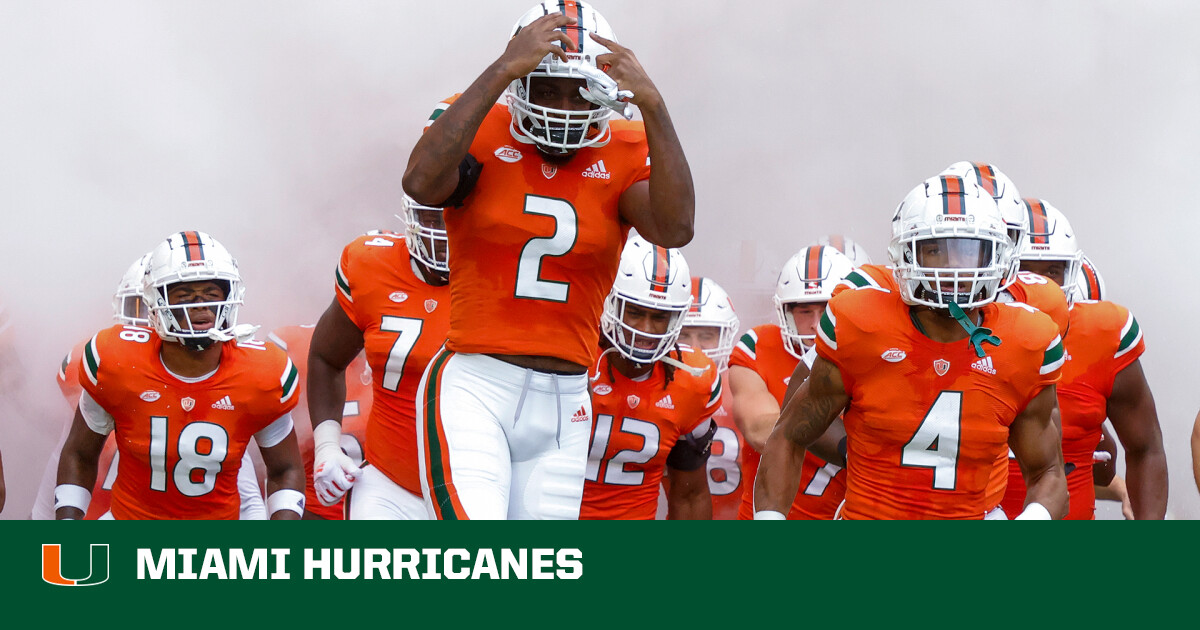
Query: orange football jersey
[(536, 245), (404, 322), (726, 478), (180, 444), (106, 469), (822, 485), (928, 421), (1030, 288), (295, 340), (636, 424), (1105, 339)]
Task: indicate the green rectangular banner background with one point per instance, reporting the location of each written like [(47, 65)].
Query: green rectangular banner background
[(710, 575)]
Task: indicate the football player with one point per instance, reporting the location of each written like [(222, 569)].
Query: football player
[(539, 199), (1024, 287), (768, 358), (128, 309), (653, 400), (391, 298), (184, 397), (711, 325), (296, 341), (935, 380), (1102, 378)]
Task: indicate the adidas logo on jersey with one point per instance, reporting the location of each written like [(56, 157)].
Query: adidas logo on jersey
[(984, 365), (597, 171), (223, 404), (580, 416), (665, 403)]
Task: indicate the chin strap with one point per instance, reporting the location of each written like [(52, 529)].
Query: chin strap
[(241, 332), (978, 334), (694, 371)]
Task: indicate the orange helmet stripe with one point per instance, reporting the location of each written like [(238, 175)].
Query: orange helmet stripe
[(1093, 283), (1039, 225), (952, 197), (987, 177), (192, 241), (812, 264), (575, 32), (661, 271), (696, 293)]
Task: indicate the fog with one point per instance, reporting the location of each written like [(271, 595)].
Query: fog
[(282, 128)]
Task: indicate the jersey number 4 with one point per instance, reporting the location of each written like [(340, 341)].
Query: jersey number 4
[(530, 284), (935, 444)]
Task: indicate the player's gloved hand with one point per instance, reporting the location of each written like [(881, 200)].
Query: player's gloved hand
[(333, 471), (602, 90)]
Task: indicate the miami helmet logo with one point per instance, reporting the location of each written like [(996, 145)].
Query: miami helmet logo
[(52, 567), (941, 366)]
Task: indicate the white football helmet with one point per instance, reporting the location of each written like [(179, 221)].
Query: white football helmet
[(1008, 200), (425, 232), (808, 276), (128, 307), (1050, 237), (561, 131), (1090, 284), (193, 257), (950, 244), (856, 253), (650, 277), (711, 307)]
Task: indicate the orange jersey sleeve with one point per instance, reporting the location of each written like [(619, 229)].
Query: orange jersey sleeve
[(295, 340), (106, 471), (868, 276), (180, 444), (536, 243), (1043, 294), (928, 421), (1105, 339), (822, 485), (637, 423)]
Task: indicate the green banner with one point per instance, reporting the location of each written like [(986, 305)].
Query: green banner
[(622, 574)]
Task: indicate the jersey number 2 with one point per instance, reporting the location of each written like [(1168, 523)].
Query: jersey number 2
[(530, 284), (935, 444)]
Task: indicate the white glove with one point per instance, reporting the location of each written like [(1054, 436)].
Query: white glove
[(333, 471), (602, 90), (1101, 456)]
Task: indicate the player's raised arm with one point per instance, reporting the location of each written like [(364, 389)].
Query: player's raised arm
[(804, 418), (662, 208), (77, 468), (335, 343), (433, 173), (1036, 440), (1135, 418)]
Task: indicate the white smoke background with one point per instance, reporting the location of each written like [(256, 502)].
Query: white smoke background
[(282, 128)]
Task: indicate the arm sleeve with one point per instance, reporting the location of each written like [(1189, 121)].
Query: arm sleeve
[(97, 417), (275, 432)]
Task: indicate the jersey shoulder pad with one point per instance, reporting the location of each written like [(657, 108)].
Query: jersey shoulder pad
[(1107, 322)]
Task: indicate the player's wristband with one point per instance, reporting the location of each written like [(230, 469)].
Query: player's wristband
[(286, 499), (71, 495), (1034, 512), (327, 436), (769, 515)]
